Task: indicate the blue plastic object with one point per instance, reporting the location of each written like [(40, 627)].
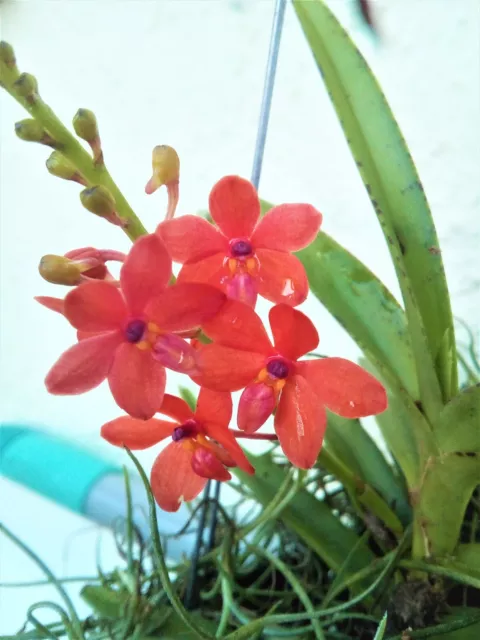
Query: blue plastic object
[(51, 466)]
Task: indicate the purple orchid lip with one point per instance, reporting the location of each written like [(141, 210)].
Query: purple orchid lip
[(241, 248), (278, 369), (134, 330)]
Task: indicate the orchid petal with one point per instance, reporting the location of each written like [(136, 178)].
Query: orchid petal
[(225, 369), (145, 272), (137, 381), (210, 270), (136, 434), (191, 238), (95, 306), (293, 332), (300, 423), (185, 306), (213, 407), (344, 387), (287, 227), (239, 327), (54, 304), (172, 478), (235, 207), (175, 408), (84, 366), (281, 277)]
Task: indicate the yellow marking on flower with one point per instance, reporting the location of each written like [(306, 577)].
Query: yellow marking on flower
[(232, 265), (189, 444), (251, 264), (262, 376), (151, 326), (143, 345), (278, 385)]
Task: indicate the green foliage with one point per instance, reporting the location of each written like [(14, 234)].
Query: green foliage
[(397, 195)]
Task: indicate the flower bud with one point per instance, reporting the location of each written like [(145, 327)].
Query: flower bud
[(99, 200), (60, 270), (165, 167), (27, 87), (7, 56), (58, 165), (31, 131), (75, 267), (165, 171), (85, 125)]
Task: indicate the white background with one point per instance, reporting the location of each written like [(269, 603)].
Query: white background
[(189, 73)]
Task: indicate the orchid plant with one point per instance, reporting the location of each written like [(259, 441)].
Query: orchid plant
[(203, 324)]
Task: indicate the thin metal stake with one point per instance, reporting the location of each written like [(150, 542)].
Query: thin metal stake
[(277, 27), (272, 61)]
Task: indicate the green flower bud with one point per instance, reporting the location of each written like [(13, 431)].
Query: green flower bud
[(60, 270), (31, 131), (7, 55), (58, 165), (99, 200), (26, 86), (85, 125)]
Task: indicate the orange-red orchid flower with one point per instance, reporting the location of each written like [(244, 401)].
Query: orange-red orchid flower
[(202, 445), (274, 377), (129, 335), (244, 256)]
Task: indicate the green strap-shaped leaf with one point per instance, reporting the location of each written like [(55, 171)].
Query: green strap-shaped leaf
[(458, 427), (448, 483), (406, 431), (364, 307), (392, 182)]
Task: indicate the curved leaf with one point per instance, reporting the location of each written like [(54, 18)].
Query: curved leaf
[(392, 182), (448, 483), (458, 426)]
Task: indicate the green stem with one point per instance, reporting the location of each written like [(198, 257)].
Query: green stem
[(76, 624), (296, 586), (71, 148)]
